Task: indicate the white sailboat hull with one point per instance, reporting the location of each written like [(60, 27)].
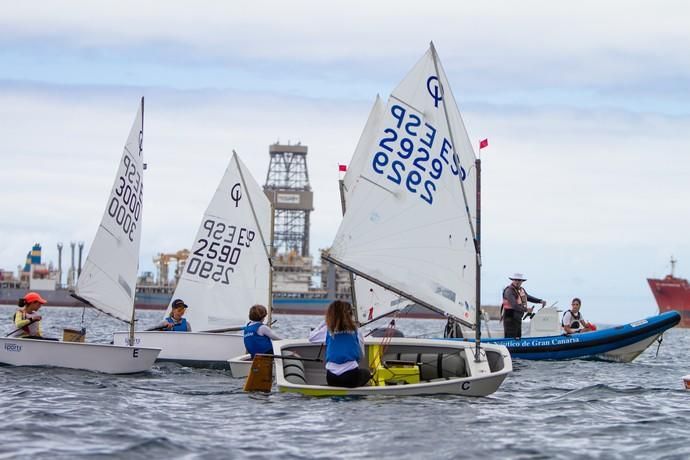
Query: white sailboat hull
[(444, 368), (240, 366), (194, 349), (108, 359)]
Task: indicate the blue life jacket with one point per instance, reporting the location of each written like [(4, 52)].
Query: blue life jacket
[(255, 343), (342, 347), (181, 327)]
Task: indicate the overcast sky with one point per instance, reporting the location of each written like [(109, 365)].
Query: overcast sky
[(586, 107)]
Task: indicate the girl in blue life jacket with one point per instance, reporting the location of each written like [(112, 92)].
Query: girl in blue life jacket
[(175, 322), (258, 336), (344, 347)]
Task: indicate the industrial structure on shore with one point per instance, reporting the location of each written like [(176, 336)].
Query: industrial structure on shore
[(287, 187)]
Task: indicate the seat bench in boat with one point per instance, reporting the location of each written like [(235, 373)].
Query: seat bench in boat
[(433, 365), (397, 368)]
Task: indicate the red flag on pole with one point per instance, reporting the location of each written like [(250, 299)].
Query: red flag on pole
[(483, 143), (342, 168)]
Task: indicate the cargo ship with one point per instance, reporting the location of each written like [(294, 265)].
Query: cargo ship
[(293, 292), (672, 293), (152, 297)]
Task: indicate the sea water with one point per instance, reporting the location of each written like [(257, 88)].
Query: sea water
[(566, 409)]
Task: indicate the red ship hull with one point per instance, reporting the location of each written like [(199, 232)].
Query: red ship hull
[(672, 293)]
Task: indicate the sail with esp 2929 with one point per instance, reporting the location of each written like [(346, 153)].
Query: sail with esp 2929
[(408, 224)]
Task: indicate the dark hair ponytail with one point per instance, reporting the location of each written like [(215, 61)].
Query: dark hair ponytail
[(21, 302)]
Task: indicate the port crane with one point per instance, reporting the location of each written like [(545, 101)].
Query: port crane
[(162, 262)]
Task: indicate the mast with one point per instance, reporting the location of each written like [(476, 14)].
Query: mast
[(261, 234), (475, 233), (270, 262), (673, 265), (452, 140), (478, 332), (353, 295), (141, 146)]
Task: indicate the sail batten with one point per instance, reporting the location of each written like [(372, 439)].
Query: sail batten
[(109, 275)]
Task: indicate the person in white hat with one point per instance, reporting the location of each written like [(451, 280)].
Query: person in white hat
[(514, 306)]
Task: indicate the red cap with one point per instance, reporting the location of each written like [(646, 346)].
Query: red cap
[(34, 297)]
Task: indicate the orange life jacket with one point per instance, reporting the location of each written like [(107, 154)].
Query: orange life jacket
[(519, 293)]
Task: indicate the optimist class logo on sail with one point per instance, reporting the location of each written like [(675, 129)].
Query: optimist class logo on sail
[(434, 89), (411, 152)]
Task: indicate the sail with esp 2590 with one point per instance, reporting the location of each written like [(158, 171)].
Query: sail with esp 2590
[(228, 271), (229, 266)]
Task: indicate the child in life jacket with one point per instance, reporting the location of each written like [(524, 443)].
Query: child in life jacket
[(344, 347), (26, 318), (258, 337), (176, 321)]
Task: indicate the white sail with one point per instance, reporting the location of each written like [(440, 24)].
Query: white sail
[(228, 268), (108, 279), (407, 225), (373, 301), (366, 142)]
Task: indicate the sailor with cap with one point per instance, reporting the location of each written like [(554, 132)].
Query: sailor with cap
[(175, 322), (26, 318), (514, 305)]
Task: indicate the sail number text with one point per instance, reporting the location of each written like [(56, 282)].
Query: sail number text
[(125, 204), (217, 251), (410, 154)]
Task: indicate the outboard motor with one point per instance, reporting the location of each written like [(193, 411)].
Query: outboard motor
[(546, 322)]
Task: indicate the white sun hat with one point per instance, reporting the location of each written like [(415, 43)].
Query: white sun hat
[(518, 277)]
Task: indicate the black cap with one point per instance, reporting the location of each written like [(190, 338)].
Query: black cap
[(178, 303)]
